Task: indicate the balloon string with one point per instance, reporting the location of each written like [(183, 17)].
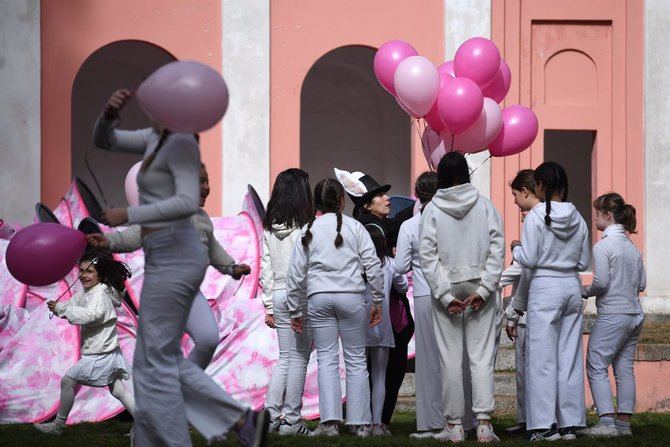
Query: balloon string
[(95, 178), (71, 285), (481, 164), (453, 137)]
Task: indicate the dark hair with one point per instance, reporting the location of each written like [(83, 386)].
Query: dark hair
[(425, 186), (110, 271), (291, 202), (147, 161), (622, 212), (524, 179), (378, 240), (554, 180), (453, 170), (360, 210), (328, 195)]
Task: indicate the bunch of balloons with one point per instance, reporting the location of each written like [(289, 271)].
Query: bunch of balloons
[(458, 100)]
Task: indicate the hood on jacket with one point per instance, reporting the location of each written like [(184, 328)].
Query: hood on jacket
[(113, 294), (281, 231), (565, 219), (456, 201)]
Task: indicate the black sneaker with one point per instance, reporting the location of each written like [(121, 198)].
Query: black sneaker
[(568, 433), (516, 430), (544, 435)]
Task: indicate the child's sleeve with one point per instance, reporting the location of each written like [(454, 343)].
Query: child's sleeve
[(601, 272), (642, 275), (371, 265), (403, 250), (106, 136), (267, 275), (520, 300), (496, 255), (219, 257), (585, 258), (399, 279), (527, 254), (296, 280), (430, 260), (125, 241), (89, 314)]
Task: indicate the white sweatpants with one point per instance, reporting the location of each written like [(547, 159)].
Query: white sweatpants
[(202, 328), (613, 341), (379, 358), (477, 328), (427, 374), (554, 361), (288, 377), (334, 316), (520, 366)]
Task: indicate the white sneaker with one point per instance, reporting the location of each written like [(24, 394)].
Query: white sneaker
[(544, 435), (325, 430), (363, 431), (379, 430), (424, 434), (485, 434), (298, 428), (51, 428), (600, 431), (454, 434)]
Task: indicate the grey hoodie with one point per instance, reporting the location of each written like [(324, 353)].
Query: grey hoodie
[(461, 240), (559, 250), (277, 249)]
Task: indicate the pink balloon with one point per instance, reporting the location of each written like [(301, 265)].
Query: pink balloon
[(518, 132), (184, 96), (433, 116), (417, 83), (44, 253), (477, 59), (447, 68), (433, 147), (132, 193), (460, 102), (387, 59), (483, 131), (498, 88), (407, 110)]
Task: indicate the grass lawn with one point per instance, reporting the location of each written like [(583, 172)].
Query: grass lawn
[(651, 429)]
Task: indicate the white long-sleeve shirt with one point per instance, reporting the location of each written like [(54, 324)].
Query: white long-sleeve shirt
[(170, 188), (517, 277), (382, 334), (278, 247), (407, 255), (322, 268), (93, 310), (618, 275)]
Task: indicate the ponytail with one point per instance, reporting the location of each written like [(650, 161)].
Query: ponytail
[(307, 237), (328, 195), (629, 219), (338, 239), (554, 180), (623, 213)]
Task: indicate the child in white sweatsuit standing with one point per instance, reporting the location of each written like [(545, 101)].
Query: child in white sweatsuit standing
[(102, 363), (461, 249), (327, 270), (555, 247), (380, 338), (618, 278), (290, 208)]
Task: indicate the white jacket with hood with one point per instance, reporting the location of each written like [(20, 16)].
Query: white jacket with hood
[(277, 249), (461, 240), (93, 310)]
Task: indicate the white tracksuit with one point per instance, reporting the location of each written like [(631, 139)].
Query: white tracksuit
[(331, 280), (287, 383), (618, 278), (461, 250), (429, 409), (554, 365)]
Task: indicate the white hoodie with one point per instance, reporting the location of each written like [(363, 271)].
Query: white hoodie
[(461, 240), (559, 250), (93, 310), (321, 267), (277, 249)]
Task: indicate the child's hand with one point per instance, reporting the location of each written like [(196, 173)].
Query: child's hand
[(270, 320), (375, 315), (511, 332), (455, 307), (240, 270), (97, 240), (475, 301), (116, 102), (296, 325), (52, 306)]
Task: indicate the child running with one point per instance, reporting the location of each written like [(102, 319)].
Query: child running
[(380, 338), (618, 278), (102, 363)]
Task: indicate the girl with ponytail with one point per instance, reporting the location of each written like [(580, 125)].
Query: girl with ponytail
[(618, 278), (328, 270), (555, 247)]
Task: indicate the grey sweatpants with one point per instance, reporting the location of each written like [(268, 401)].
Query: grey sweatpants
[(170, 389)]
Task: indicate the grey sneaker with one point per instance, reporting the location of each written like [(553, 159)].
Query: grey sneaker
[(379, 430), (453, 433), (325, 430), (600, 431), (294, 429), (273, 427), (51, 428), (363, 431)]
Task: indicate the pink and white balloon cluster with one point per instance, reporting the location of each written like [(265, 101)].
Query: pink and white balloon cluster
[(458, 100)]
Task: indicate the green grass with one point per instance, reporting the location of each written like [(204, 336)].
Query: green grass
[(651, 429)]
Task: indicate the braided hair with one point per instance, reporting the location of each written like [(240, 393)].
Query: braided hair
[(623, 213), (110, 271), (328, 195), (147, 161), (425, 186), (554, 180)]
